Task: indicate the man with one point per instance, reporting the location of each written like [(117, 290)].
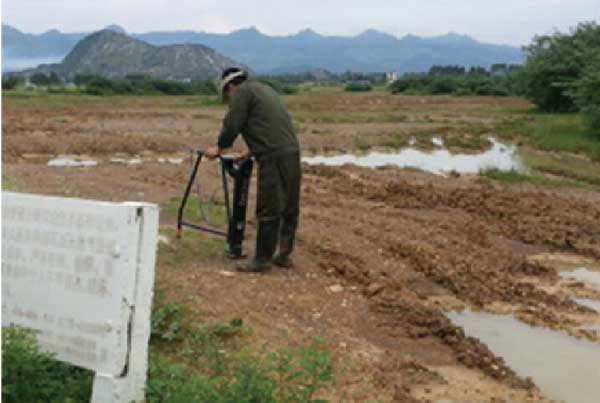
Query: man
[(257, 112)]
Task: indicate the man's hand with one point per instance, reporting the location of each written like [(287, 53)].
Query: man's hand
[(212, 152)]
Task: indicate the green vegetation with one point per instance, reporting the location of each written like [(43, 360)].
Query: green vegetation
[(361, 144), (456, 80), (43, 79), (279, 86), (395, 141), (358, 87), (513, 177), (327, 79), (9, 184), (562, 73), (564, 133), (468, 142), (29, 375), (138, 84), (188, 363), (209, 363), (211, 212), (10, 82), (191, 246)]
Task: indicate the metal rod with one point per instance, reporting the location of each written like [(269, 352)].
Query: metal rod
[(188, 188), (204, 228)]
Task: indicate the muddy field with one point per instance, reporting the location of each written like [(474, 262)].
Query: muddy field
[(383, 254)]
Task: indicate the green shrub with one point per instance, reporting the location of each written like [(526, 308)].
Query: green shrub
[(31, 376), (10, 82), (279, 86), (587, 94), (475, 83), (43, 79), (358, 87), (556, 63)]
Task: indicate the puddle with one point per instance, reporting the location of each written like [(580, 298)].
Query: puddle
[(437, 141), (590, 303), (563, 367), (175, 161), (500, 156), (127, 161), (584, 275), (71, 162)]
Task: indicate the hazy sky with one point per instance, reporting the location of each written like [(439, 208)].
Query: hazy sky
[(499, 21)]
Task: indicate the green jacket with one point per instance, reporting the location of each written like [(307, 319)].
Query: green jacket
[(258, 113)]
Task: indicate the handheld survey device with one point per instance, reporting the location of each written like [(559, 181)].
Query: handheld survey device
[(240, 171)]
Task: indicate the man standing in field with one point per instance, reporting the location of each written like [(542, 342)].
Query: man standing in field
[(257, 112)]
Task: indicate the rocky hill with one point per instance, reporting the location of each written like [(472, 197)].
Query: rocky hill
[(112, 54)]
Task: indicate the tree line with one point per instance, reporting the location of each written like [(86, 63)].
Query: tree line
[(561, 74)]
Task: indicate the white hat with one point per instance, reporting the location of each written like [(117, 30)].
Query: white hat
[(230, 77)]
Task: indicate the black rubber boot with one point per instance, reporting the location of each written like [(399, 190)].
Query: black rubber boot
[(266, 242), (282, 259), (286, 243)]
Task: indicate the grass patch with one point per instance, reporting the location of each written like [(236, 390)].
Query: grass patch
[(192, 246), (468, 142), (210, 362), (30, 375), (10, 184), (188, 363), (202, 101), (361, 144), (210, 212), (564, 133), (513, 177), (572, 167), (395, 141)]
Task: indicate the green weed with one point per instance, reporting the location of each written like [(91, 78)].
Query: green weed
[(361, 144), (30, 375), (564, 133), (513, 177), (395, 141), (10, 184), (468, 142)]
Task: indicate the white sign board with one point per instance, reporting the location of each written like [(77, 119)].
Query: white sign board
[(81, 273)]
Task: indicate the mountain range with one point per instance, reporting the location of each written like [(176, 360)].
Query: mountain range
[(371, 51)]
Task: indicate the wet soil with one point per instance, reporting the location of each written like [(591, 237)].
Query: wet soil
[(383, 254)]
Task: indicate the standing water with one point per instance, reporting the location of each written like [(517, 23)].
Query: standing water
[(500, 156), (565, 368), (585, 276)]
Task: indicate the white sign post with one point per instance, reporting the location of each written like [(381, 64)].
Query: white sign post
[(81, 273)]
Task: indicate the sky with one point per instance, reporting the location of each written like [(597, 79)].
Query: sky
[(512, 22)]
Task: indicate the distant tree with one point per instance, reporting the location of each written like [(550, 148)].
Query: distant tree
[(358, 87), (587, 94), (9, 82), (499, 69), (53, 79), (84, 79), (478, 71), (39, 79), (441, 71), (555, 64)]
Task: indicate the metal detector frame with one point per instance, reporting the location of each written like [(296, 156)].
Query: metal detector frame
[(236, 215)]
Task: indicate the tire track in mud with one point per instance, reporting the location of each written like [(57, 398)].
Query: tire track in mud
[(469, 239)]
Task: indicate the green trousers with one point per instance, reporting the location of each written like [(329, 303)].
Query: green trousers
[(278, 204)]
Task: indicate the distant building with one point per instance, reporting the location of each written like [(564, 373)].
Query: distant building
[(391, 76)]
